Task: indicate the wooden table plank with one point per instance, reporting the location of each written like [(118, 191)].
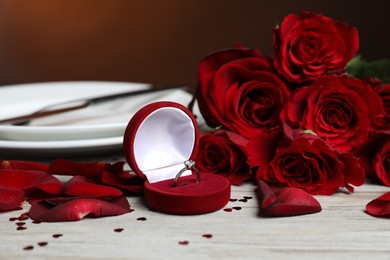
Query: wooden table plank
[(342, 230)]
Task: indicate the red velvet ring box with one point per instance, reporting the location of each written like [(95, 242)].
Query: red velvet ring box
[(158, 140)]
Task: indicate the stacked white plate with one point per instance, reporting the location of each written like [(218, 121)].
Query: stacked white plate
[(95, 129)]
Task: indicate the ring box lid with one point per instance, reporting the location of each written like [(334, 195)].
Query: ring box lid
[(159, 138)]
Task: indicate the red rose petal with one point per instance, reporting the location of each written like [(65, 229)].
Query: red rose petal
[(38, 196), (261, 149), (379, 207), (83, 186), (267, 196), (124, 181), (23, 165), (30, 181), (287, 201), (354, 173), (10, 198), (66, 167), (73, 209)]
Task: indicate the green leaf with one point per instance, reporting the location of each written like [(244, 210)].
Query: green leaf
[(361, 69), (308, 131)]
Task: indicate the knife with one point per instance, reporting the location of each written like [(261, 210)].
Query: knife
[(79, 104)]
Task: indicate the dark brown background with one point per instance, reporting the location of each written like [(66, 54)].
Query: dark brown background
[(156, 41)]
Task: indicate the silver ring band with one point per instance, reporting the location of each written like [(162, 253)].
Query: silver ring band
[(189, 165)]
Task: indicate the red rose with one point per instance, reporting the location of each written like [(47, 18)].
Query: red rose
[(382, 163), (375, 157), (224, 153), (239, 90), (339, 109), (312, 45), (307, 162), (383, 120)]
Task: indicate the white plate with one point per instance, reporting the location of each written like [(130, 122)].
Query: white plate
[(60, 149), (104, 120)]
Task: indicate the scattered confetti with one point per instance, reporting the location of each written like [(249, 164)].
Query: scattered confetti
[(42, 244), (21, 228)]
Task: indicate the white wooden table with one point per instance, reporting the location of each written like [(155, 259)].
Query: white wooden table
[(342, 230)]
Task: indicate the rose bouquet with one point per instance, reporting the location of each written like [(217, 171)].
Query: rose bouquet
[(307, 118)]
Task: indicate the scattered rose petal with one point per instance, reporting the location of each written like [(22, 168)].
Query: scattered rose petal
[(24, 165), (83, 186), (66, 167), (28, 248), (124, 181), (379, 207), (42, 243), (286, 201), (72, 209), (10, 198), (37, 197), (30, 181)]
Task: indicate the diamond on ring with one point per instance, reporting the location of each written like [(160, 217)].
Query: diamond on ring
[(189, 165)]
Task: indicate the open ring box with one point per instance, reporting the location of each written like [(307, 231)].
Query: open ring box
[(159, 138)]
